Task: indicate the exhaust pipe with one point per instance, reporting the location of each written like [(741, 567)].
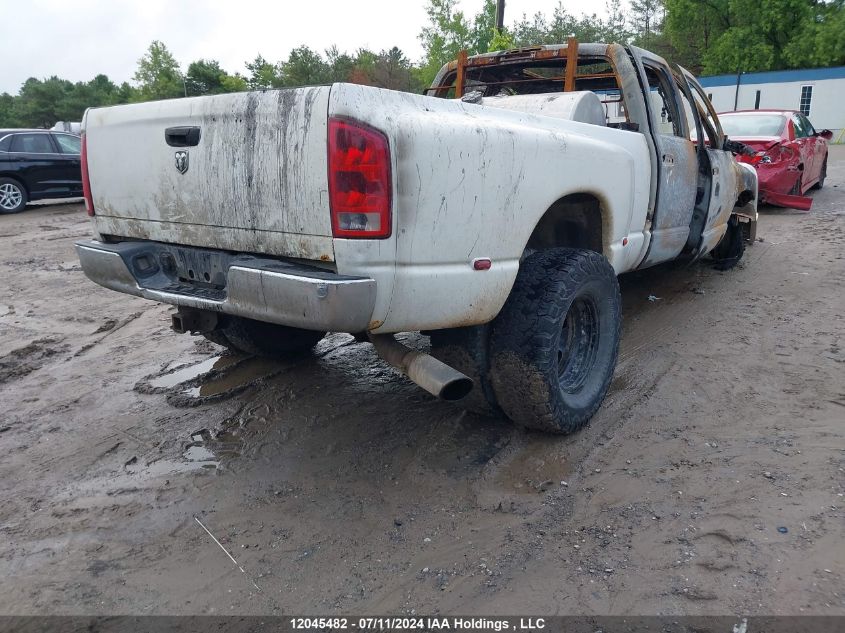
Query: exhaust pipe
[(429, 373)]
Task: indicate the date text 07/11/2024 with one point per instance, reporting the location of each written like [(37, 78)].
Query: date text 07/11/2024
[(419, 623)]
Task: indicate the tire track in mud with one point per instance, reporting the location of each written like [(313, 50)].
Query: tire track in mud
[(108, 328), (31, 357)]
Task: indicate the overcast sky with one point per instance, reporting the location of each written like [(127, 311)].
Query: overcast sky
[(78, 39)]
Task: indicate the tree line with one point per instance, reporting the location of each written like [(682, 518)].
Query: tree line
[(706, 36)]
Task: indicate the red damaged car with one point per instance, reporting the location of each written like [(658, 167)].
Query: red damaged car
[(790, 155)]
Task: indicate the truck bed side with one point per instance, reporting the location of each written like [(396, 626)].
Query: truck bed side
[(473, 182)]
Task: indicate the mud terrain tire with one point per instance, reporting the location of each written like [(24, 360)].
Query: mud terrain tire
[(465, 349), (262, 339), (555, 343), (731, 247)]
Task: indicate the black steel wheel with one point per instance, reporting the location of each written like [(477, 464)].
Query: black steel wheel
[(555, 343)]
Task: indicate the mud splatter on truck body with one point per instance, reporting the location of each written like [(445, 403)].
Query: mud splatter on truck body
[(256, 181)]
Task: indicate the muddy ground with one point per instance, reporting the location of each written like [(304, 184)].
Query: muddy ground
[(711, 481)]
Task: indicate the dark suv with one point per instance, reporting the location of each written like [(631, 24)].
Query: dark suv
[(37, 164)]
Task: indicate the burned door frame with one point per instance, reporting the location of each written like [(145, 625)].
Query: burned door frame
[(676, 164), (720, 172)]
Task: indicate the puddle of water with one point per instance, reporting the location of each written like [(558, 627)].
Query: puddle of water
[(160, 468), (174, 364), (136, 477), (192, 371), (247, 372), (199, 453)]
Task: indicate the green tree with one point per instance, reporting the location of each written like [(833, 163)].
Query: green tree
[(447, 33), (204, 77), (8, 111), (262, 74), (616, 25), (502, 41), (647, 18), (484, 28), (304, 67), (103, 91), (233, 83), (79, 96), (341, 65), (126, 93), (158, 75), (820, 41), (535, 30), (539, 29), (693, 26), (42, 103), (758, 37), (726, 36), (392, 70), (363, 67)]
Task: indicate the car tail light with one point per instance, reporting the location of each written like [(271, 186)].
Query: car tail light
[(86, 183), (359, 180)]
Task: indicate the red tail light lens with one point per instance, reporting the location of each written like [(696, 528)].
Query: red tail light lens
[(359, 180), (86, 183)]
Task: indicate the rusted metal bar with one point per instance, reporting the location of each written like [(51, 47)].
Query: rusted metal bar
[(522, 81), (459, 80), (598, 76), (571, 64)]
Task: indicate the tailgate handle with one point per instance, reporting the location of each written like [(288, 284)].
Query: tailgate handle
[(182, 136)]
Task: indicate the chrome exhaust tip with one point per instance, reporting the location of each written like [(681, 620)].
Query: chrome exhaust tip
[(436, 377)]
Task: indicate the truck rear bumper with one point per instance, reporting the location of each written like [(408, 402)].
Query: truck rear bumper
[(258, 288)]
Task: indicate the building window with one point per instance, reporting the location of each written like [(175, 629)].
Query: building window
[(806, 97), (757, 101)]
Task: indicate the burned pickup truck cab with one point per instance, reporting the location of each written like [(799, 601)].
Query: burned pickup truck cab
[(493, 214), (636, 91)]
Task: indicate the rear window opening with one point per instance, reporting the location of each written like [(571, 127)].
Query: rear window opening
[(740, 125), (532, 77)]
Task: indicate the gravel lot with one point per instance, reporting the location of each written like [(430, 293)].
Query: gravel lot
[(711, 481)]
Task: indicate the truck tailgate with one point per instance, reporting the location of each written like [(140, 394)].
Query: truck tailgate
[(254, 181)]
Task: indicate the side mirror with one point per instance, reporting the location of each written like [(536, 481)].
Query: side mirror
[(827, 134)]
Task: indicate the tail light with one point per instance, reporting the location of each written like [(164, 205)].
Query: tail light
[(86, 183), (359, 180)]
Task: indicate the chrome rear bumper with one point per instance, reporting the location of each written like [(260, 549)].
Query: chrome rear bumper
[(258, 288)]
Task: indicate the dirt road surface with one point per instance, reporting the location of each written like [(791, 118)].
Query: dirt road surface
[(711, 480)]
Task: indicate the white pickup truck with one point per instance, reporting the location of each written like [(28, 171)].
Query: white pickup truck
[(493, 214)]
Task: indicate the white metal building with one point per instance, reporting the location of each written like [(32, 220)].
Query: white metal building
[(817, 92)]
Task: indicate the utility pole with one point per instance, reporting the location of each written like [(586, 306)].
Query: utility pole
[(500, 15)]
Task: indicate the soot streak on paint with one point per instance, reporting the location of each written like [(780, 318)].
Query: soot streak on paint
[(250, 131)]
